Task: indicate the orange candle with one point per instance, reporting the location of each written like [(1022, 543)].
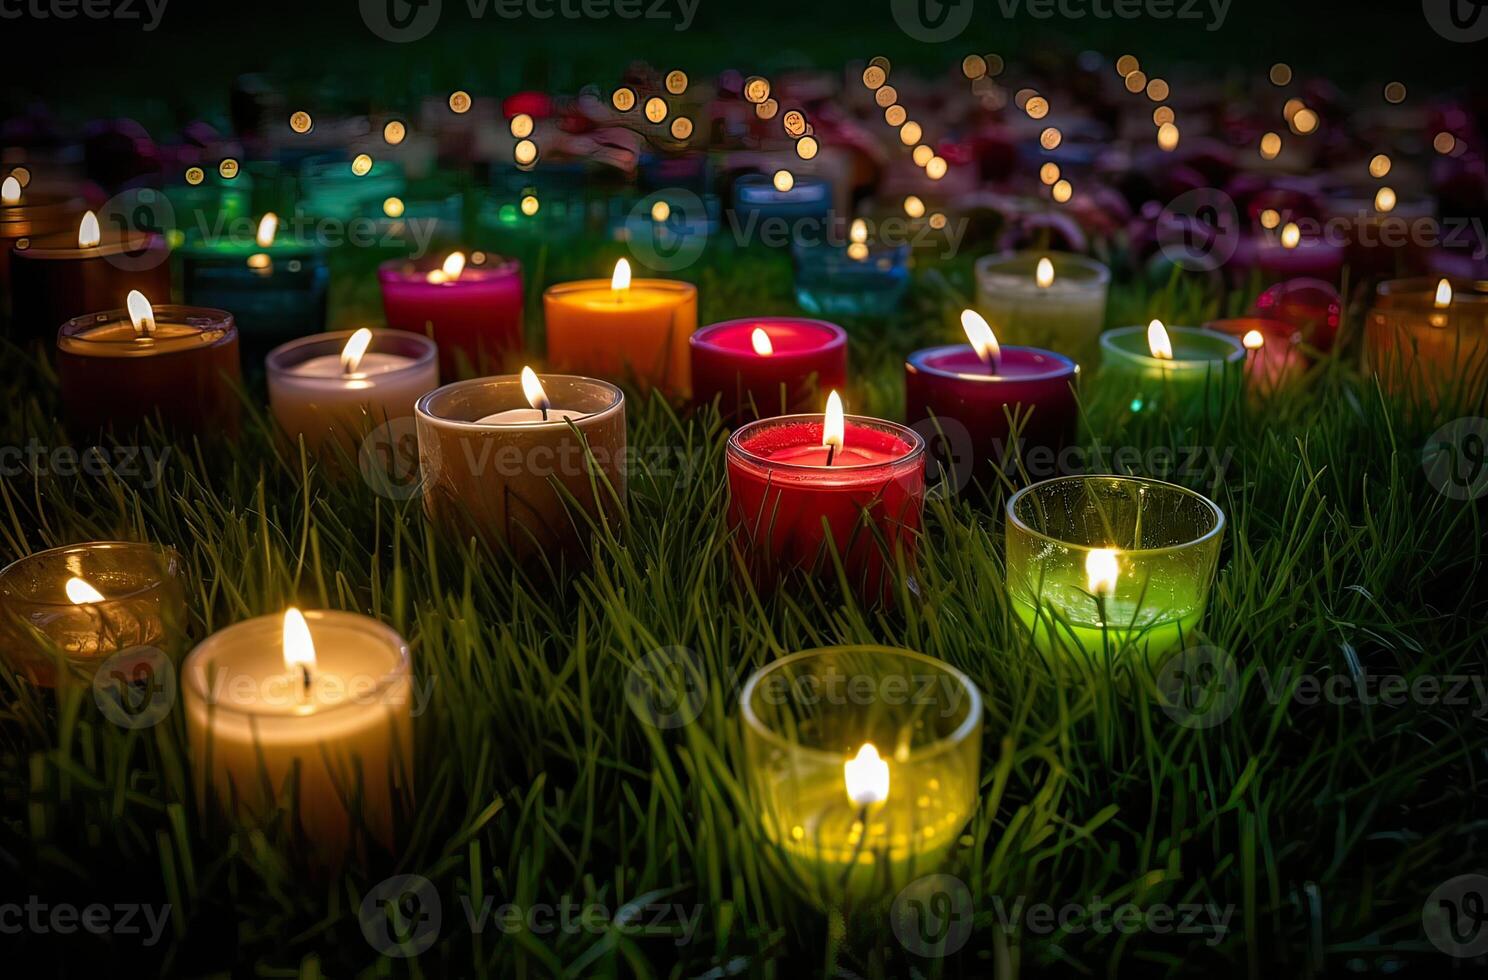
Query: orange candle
[(623, 330)]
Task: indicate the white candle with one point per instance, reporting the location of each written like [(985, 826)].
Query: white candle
[(541, 411)]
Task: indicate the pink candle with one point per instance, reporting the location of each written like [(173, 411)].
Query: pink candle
[(1272, 358), (757, 368), (472, 310)]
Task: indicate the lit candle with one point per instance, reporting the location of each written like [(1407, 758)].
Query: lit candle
[(120, 368), (275, 284), (472, 306), (781, 196), (799, 483), (340, 385), (995, 393), (860, 279), (876, 792), (505, 458), (28, 213), (74, 606), (766, 366), (627, 331), (1053, 301), (321, 701), (1289, 254), (1156, 368), (64, 275), (1273, 360), (1102, 565), (1429, 339)]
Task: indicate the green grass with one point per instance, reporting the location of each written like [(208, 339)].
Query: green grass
[(1324, 827)]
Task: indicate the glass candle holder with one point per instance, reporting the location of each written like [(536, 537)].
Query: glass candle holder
[(312, 394), (789, 510), (1066, 315), (1099, 567), (33, 214), (276, 292), (143, 604), (494, 468), (1273, 359), (1205, 369), (834, 281), (767, 366), (475, 317), (337, 732), (54, 279), (637, 334), (757, 200), (114, 377), (1430, 341), (854, 831), (1030, 397)]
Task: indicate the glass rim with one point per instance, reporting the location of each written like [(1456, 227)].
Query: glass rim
[(736, 446), (423, 411), (170, 569), (943, 744), (1165, 486), (837, 341), (1099, 272), (562, 289), (1234, 355), (277, 361), (1062, 366), (1419, 292), (76, 330), (414, 270)]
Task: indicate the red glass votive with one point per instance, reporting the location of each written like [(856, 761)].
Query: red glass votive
[(788, 510), (806, 359), (951, 394), (1272, 358), (113, 378), (475, 318), (53, 279)]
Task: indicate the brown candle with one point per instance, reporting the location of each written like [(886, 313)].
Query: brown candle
[(501, 464), (117, 370)]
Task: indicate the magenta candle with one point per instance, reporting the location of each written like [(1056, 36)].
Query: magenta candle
[(976, 405), (472, 310), (787, 505), (761, 367)]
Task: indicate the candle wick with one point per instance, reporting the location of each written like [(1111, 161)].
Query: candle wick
[(545, 413), (304, 680), (831, 452)]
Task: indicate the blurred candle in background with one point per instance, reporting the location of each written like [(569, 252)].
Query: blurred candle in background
[(1050, 300), (27, 213), (767, 366), (472, 309)]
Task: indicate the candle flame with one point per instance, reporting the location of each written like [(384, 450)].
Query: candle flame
[(983, 340), (267, 226), (88, 233), (1101, 571), (858, 233), (10, 191), (299, 648), (1291, 235), (1044, 275), (141, 313), (1443, 295), (620, 281), (1253, 340), (866, 776), (832, 423), (80, 592), (454, 264), (356, 347), (533, 389), (761, 342), (1158, 342)]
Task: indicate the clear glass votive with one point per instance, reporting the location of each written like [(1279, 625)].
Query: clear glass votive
[(1064, 315), (43, 613), (1100, 567), (832, 281), (863, 766)]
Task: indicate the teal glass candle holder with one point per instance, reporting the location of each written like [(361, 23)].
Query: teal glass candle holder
[(756, 200), (1204, 370), (1103, 567), (835, 281)]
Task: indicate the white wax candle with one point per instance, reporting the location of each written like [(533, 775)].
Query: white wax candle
[(329, 366), (527, 416)]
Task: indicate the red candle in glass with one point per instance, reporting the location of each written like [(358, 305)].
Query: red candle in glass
[(1272, 358), (57, 277), (787, 505), (473, 310), (971, 394), (762, 367)]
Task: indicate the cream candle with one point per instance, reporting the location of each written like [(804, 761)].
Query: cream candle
[(1054, 300), (340, 385), (311, 710)]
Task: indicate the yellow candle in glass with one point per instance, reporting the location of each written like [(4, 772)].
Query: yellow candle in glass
[(623, 330)]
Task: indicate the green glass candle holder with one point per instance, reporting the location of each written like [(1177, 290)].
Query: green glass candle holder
[(1101, 567), (862, 765), (1204, 370)]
